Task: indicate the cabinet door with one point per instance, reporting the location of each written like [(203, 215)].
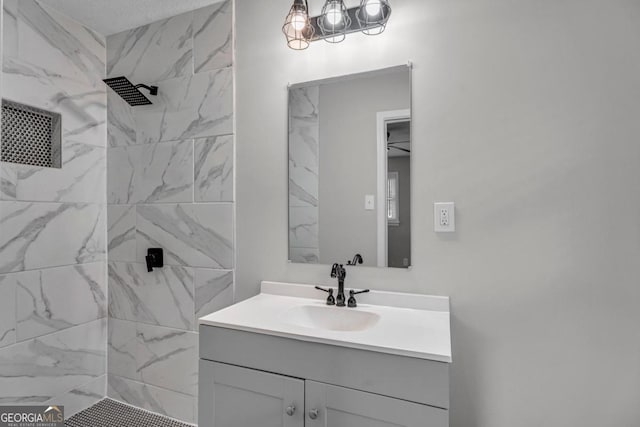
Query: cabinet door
[(237, 397), (331, 406)]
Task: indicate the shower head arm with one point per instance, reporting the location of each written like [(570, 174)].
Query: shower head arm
[(153, 90)]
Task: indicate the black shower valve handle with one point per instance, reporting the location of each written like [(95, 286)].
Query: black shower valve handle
[(154, 258)]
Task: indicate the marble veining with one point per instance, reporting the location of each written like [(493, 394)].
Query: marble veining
[(214, 169), (83, 107), (40, 235), (80, 180), (7, 183), (81, 397), (170, 185), (213, 291), (121, 125), (304, 255), (121, 169), (303, 227), (121, 232), (159, 356), (168, 358), (196, 235), (213, 37), (164, 173), (54, 299), (48, 40), (304, 158), (137, 295), (154, 52), (189, 107), (52, 62), (304, 138), (122, 349), (53, 221), (151, 173), (156, 399), (38, 370), (7, 311)]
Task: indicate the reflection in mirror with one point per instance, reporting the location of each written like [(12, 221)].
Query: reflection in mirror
[(350, 169)]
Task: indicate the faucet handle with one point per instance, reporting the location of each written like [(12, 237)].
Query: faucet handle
[(330, 299), (352, 299)]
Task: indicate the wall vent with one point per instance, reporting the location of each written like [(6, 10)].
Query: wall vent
[(30, 135)]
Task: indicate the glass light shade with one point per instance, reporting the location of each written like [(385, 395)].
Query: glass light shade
[(373, 15), (334, 21), (297, 26), (372, 7), (334, 15)]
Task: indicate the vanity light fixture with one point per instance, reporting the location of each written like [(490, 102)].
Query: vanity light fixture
[(373, 16), (335, 21), (297, 26)]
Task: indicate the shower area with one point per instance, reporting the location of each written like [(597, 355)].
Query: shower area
[(91, 177)]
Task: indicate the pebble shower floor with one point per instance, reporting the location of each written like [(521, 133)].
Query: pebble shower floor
[(109, 413)]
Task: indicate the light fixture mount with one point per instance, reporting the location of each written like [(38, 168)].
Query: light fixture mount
[(335, 21)]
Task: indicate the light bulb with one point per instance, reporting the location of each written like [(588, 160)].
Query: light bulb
[(299, 21), (373, 7), (334, 14)]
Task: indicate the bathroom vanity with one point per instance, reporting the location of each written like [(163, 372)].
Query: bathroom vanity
[(285, 358)]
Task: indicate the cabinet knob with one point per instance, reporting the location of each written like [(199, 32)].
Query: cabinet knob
[(313, 414), (291, 410)]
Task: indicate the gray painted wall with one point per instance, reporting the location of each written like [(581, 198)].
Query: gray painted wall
[(348, 161), (525, 114)]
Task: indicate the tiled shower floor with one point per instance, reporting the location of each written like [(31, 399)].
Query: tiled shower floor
[(109, 413)]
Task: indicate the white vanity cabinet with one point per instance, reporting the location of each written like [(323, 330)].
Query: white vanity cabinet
[(240, 397), (343, 407), (253, 380), (285, 359)]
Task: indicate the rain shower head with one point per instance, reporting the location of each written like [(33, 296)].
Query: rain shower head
[(130, 93)]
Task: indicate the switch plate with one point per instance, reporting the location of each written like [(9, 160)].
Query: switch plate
[(444, 215), (369, 202)]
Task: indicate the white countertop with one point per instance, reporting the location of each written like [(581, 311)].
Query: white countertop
[(409, 325)]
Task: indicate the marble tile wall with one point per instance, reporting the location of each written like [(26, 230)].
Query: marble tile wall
[(304, 156), (53, 286), (170, 169)]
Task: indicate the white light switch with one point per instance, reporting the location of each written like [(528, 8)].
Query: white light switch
[(444, 216), (369, 202)]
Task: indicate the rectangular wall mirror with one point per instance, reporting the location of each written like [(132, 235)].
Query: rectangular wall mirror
[(350, 169)]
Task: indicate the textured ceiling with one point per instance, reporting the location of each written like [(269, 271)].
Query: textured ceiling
[(112, 16)]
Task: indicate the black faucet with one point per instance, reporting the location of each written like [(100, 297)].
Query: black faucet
[(338, 271)]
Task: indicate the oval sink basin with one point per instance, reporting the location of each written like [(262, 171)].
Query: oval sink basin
[(331, 318)]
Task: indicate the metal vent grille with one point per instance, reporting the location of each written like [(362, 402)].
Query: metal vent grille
[(30, 136)]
